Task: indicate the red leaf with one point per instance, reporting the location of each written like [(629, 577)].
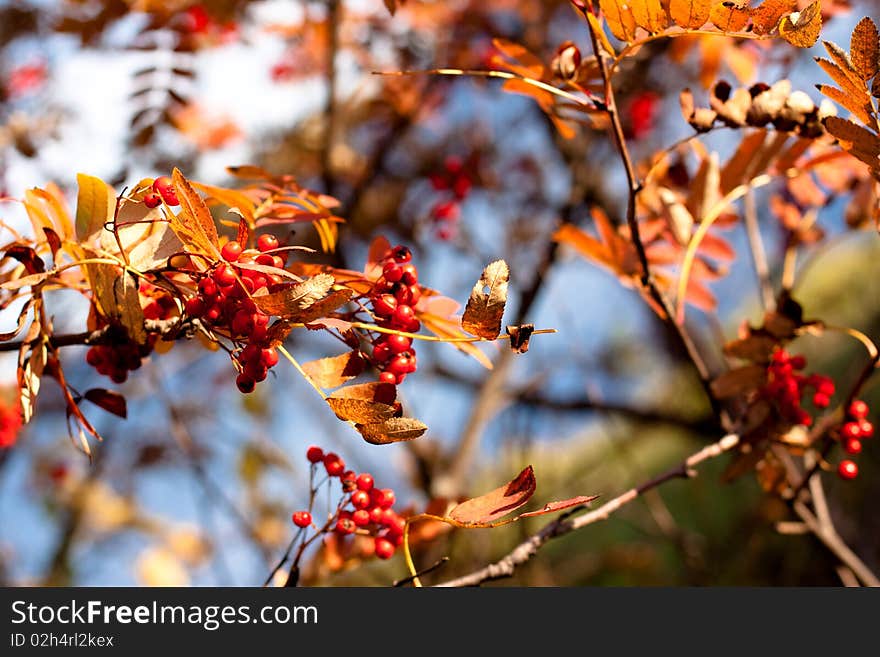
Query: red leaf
[(110, 401), (486, 509)]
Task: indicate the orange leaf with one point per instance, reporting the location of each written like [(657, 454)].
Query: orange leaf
[(620, 18), (766, 18), (649, 14), (334, 371), (802, 28), (486, 509), (194, 224), (691, 14), (730, 16), (393, 430), (864, 47)]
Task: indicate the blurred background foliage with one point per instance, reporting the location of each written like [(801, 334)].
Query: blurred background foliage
[(197, 486)]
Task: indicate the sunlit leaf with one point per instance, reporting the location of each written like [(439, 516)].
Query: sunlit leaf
[(485, 307), (496, 504)]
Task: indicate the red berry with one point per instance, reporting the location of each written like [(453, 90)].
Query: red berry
[(361, 517), (162, 183), (245, 383), (334, 465), (269, 357), (852, 446), (866, 429), (398, 343), (798, 362), (170, 197), (858, 409), (382, 352), (345, 526), (224, 275), (384, 305), (195, 307), (348, 479), (461, 187), (851, 430), (267, 243), (387, 500), (403, 315), (821, 401), (392, 272), (315, 454), (365, 481), (396, 525), (384, 548), (152, 200), (848, 469), (230, 251), (302, 518), (826, 386), (401, 254), (94, 356), (388, 377), (207, 287), (410, 274), (360, 499)]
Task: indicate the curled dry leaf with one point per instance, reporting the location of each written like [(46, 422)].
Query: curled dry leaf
[(334, 371), (116, 297), (377, 391), (494, 505), (392, 430), (360, 411), (485, 307), (519, 337), (290, 301)]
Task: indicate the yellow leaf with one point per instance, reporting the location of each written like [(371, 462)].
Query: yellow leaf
[(95, 206), (620, 19), (691, 14), (802, 28), (649, 14)]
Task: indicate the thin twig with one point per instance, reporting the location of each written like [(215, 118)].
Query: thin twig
[(756, 248), (506, 566)]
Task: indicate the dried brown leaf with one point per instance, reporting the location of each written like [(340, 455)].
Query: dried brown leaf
[(290, 301), (360, 411), (519, 337), (393, 430), (739, 381), (485, 307), (766, 18), (551, 507)]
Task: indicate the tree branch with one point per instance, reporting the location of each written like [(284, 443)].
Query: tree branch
[(506, 566)]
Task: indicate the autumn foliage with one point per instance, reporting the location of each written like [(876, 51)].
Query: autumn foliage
[(250, 268)]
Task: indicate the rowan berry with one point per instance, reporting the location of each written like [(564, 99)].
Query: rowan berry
[(315, 454), (302, 519), (384, 548), (848, 469)]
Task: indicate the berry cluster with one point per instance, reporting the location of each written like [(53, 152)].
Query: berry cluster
[(163, 190), (394, 297), (224, 303), (787, 387), (365, 509), (456, 184), (120, 356), (856, 428)]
